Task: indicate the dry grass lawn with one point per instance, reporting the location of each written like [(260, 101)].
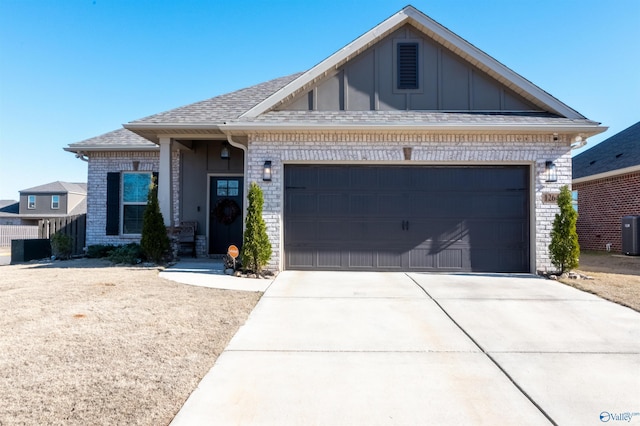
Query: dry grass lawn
[(615, 277), (85, 343)]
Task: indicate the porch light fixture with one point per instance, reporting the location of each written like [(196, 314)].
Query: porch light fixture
[(266, 171), (550, 169), (224, 152)]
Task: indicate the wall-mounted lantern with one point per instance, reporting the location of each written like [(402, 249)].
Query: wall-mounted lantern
[(266, 171), (550, 169), (225, 153)]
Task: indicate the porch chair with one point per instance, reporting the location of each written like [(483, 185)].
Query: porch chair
[(187, 236)]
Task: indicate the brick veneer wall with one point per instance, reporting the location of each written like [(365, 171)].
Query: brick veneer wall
[(101, 163), (363, 148), (601, 205)]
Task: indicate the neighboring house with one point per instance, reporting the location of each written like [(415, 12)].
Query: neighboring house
[(52, 200), (9, 210), (407, 150), (607, 181)]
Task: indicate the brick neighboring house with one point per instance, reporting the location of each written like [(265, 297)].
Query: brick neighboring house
[(607, 180), (407, 150)]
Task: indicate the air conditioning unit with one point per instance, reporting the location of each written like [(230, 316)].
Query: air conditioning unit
[(631, 235)]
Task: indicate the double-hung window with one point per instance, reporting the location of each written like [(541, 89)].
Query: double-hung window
[(135, 190), (31, 202), (55, 202)]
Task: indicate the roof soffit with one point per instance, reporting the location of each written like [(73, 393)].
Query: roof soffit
[(433, 30)]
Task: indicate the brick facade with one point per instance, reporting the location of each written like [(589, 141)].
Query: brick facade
[(349, 148), (601, 205), (101, 163), (363, 148)]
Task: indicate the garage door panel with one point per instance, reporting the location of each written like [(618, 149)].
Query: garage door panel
[(299, 203), (450, 259), (332, 204), (435, 230), (373, 232), (407, 218), (363, 204)]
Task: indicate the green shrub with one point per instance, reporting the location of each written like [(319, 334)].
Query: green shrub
[(564, 248), (155, 241), (61, 245), (256, 248), (130, 254), (98, 251)]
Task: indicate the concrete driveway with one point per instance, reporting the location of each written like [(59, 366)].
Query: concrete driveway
[(336, 348)]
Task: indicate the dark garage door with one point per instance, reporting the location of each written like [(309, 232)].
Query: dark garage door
[(399, 218)]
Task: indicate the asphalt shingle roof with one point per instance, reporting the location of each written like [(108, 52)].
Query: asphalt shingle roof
[(61, 187), (221, 108), (620, 151), (406, 117), (121, 138)]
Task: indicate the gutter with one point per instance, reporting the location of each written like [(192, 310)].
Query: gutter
[(610, 173), (571, 129)]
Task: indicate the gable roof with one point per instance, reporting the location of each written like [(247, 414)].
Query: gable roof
[(57, 187), (253, 108), (620, 151), (437, 32)]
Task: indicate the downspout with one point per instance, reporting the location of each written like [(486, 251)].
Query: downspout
[(244, 175)]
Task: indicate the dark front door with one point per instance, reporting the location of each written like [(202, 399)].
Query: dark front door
[(225, 214)]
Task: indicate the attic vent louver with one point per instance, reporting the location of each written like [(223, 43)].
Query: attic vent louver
[(407, 66)]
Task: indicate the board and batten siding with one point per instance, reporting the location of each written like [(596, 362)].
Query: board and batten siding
[(447, 83)]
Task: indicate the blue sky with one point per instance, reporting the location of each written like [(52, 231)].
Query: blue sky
[(74, 69)]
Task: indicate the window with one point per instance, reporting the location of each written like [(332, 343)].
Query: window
[(574, 199), (135, 190), (55, 202), (227, 188), (31, 202)]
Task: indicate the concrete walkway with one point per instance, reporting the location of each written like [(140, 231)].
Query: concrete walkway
[(210, 273), (334, 348)]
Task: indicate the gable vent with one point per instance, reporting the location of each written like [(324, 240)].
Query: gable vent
[(407, 66)]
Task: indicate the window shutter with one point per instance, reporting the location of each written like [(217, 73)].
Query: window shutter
[(113, 203), (407, 65)]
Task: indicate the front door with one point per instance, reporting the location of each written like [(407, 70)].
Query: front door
[(225, 214)]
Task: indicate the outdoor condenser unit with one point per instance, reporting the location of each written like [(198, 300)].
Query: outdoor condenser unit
[(631, 235)]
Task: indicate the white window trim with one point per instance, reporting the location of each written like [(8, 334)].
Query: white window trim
[(54, 207), (29, 205), (129, 203)]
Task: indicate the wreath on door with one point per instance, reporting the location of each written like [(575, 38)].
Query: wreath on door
[(227, 211)]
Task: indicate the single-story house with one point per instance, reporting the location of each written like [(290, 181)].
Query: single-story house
[(606, 180), (409, 149)]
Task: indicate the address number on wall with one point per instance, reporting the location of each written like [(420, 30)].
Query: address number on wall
[(550, 197)]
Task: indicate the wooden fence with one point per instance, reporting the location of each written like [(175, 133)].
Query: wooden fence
[(17, 232), (73, 226)]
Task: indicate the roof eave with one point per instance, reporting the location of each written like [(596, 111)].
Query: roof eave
[(153, 131), (584, 130), (110, 148), (607, 174)]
